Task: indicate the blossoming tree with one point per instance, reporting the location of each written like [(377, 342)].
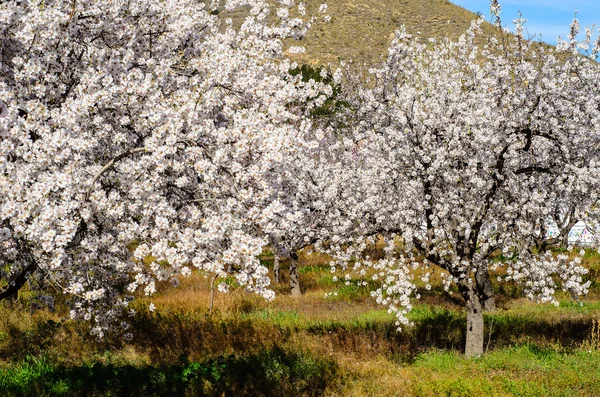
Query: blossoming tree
[(141, 139), (134, 141), (462, 148)]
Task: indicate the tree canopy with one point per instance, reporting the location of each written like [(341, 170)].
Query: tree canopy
[(142, 139)]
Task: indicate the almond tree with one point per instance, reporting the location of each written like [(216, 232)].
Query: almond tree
[(134, 141), (461, 150), (307, 206)]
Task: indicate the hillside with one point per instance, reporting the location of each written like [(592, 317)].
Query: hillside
[(360, 30)]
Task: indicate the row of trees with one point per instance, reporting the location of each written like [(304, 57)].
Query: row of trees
[(141, 139)]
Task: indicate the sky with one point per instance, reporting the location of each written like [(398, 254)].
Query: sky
[(550, 18)]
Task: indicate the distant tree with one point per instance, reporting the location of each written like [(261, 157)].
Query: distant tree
[(297, 191)]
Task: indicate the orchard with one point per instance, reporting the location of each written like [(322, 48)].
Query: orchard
[(142, 141)]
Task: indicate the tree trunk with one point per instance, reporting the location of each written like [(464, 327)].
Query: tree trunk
[(212, 295), (294, 280), (489, 304), (12, 290), (484, 286), (475, 329), (564, 239), (276, 269), (565, 227)]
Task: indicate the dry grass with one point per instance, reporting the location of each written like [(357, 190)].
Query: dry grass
[(593, 341), (361, 30), (520, 371), (193, 294), (372, 376), (350, 331)]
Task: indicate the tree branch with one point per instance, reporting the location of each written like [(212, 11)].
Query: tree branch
[(532, 169), (498, 179), (109, 165), (15, 285)]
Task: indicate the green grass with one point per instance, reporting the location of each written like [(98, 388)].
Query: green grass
[(548, 352), (318, 269), (523, 370), (339, 345), (281, 372)]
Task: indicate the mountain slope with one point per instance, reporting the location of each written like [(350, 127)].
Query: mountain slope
[(361, 29)]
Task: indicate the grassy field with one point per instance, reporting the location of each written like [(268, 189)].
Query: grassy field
[(340, 345), (312, 345)]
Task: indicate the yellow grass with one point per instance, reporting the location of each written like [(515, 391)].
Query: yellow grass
[(361, 30)]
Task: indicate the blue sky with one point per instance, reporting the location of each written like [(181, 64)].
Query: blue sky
[(551, 18)]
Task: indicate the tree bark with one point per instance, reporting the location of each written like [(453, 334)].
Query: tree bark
[(294, 279), (565, 225), (564, 238), (11, 291), (276, 269), (484, 286), (475, 328)]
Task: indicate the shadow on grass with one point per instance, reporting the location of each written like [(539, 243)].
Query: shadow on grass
[(273, 372), (165, 337), (444, 329)]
